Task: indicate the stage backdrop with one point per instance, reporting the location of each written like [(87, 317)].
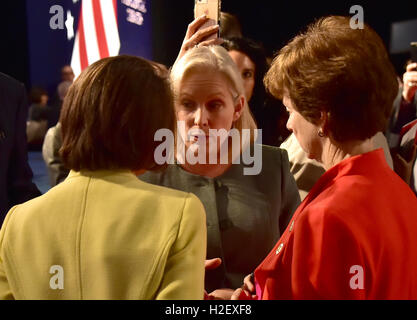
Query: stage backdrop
[(79, 32)]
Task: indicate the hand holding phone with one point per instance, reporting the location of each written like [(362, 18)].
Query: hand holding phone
[(199, 35), (211, 9)]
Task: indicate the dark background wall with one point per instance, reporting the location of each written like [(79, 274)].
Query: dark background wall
[(14, 59), (273, 22)]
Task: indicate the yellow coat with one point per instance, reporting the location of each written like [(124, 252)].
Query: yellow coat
[(104, 235)]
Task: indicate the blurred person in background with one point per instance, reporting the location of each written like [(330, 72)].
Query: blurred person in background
[(67, 74), (16, 184), (38, 110), (67, 78), (57, 171), (405, 104), (39, 113), (405, 155), (55, 108), (251, 61), (401, 131)]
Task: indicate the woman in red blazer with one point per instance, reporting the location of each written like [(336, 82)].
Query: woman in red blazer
[(355, 235)]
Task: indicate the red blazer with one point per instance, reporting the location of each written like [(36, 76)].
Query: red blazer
[(353, 237)]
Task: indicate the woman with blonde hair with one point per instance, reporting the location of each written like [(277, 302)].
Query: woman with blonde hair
[(248, 203)]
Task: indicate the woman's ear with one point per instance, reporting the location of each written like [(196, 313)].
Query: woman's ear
[(239, 105), (324, 121)]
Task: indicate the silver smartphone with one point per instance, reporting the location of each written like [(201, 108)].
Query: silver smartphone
[(211, 8)]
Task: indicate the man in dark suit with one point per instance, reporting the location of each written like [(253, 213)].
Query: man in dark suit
[(15, 174)]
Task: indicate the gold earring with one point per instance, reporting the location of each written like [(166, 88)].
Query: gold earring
[(321, 133)]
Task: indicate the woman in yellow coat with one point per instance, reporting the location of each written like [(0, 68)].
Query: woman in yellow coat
[(102, 233)]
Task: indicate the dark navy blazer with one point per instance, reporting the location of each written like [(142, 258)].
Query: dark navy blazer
[(15, 174)]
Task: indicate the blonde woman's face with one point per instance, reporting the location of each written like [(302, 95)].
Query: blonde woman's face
[(205, 101)]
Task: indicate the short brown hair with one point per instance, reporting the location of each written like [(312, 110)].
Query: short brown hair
[(339, 70), (111, 113)]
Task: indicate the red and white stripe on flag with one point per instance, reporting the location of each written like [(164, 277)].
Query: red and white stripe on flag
[(97, 35)]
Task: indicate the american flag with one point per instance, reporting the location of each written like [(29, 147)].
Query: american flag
[(97, 35)]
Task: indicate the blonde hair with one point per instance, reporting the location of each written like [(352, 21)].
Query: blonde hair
[(217, 59)]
